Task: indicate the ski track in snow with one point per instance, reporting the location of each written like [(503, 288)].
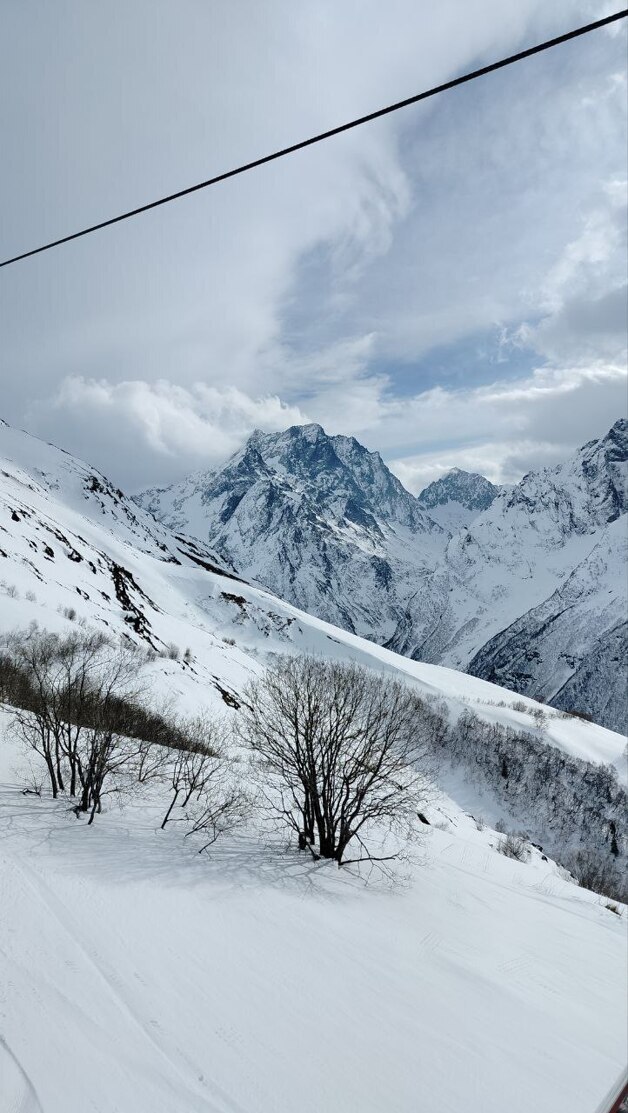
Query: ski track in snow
[(114, 988), (16, 1090), (231, 984)]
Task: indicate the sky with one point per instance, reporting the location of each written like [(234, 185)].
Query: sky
[(447, 284)]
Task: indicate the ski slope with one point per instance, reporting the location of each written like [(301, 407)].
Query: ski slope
[(143, 978)]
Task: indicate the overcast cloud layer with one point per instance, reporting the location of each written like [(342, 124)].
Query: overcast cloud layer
[(448, 284)]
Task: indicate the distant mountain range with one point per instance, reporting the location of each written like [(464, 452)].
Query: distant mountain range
[(524, 585)]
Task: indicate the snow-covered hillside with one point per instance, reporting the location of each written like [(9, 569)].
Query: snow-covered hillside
[(323, 523), (71, 542), (254, 980), (574, 643), (141, 977)]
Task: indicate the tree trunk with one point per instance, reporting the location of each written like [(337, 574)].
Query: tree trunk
[(58, 764), (84, 805), (167, 815), (53, 779)]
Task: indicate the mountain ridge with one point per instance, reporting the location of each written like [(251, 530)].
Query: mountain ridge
[(323, 523)]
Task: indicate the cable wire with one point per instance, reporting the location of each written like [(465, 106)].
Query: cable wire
[(456, 81)]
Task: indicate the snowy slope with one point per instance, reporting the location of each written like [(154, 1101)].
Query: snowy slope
[(141, 977), (323, 523), (253, 981), (63, 547), (551, 651)]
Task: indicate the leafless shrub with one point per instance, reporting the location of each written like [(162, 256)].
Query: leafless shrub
[(540, 717), (514, 846), (33, 784), (337, 749), (149, 761), (71, 696), (205, 792), (574, 714)]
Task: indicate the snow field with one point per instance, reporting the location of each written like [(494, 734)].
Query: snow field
[(144, 978)]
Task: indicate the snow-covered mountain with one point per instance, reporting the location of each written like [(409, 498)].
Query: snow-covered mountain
[(177, 980), (574, 643), (318, 520), (562, 545), (323, 523), (457, 498)]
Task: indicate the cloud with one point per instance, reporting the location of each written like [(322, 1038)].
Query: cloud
[(506, 429), (585, 294), (150, 432), (585, 327), (322, 286)]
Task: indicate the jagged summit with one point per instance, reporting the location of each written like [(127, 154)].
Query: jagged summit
[(457, 497), (584, 493), (319, 516), (331, 478)]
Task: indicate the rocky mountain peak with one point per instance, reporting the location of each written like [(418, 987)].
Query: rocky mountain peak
[(337, 475), (587, 491), (471, 490)]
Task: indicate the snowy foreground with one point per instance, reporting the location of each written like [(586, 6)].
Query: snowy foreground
[(140, 977)]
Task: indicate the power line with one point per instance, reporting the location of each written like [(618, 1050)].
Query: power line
[(576, 33)]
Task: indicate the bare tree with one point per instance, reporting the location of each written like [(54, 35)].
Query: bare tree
[(339, 751), (514, 846), (203, 782), (79, 704), (104, 753), (30, 669), (192, 767), (72, 697)]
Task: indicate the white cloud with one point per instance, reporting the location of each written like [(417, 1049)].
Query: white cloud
[(145, 431), (506, 429), (295, 292), (585, 293)]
